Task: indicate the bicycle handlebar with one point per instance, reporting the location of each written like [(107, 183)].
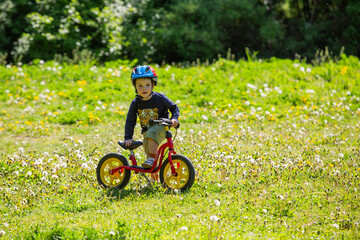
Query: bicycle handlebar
[(163, 121)]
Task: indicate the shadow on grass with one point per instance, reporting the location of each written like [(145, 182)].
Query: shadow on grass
[(156, 189)]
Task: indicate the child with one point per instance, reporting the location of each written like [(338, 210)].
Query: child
[(148, 105)]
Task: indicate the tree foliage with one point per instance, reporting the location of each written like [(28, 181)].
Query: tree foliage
[(176, 30)]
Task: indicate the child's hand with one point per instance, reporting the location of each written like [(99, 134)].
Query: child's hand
[(174, 122), (128, 142)]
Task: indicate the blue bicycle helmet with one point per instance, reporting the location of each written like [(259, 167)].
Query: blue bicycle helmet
[(143, 72)]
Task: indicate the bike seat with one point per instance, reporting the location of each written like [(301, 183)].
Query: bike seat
[(133, 145)]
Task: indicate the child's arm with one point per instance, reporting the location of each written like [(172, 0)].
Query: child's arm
[(174, 109), (130, 122)]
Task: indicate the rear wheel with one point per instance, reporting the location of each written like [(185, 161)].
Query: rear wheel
[(185, 173), (117, 180)]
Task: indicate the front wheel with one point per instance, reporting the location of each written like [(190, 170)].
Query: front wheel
[(185, 173), (117, 180)]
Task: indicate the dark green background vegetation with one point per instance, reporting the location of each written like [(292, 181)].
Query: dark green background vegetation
[(175, 30)]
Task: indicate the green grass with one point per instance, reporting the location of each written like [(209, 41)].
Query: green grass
[(275, 144)]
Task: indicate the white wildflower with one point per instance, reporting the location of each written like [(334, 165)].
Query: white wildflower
[(251, 86), (205, 118), (214, 218), (217, 202), (38, 162), (184, 228), (335, 226), (309, 91)]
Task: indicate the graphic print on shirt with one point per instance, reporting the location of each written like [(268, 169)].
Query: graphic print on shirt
[(146, 114)]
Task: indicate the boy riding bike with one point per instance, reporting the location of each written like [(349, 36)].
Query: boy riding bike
[(148, 105)]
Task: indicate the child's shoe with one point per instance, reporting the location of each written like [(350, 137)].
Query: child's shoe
[(148, 163)]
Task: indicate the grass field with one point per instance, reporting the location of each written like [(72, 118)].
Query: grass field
[(275, 144)]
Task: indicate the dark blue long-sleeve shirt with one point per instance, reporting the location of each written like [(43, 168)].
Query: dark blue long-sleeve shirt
[(158, 106)]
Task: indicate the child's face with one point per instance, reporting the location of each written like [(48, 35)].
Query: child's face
[(144, 87)]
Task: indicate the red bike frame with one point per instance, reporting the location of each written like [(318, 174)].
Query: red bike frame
[(160, 156)]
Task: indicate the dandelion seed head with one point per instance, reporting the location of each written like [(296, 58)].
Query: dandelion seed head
[(84, 165), (184, 228), (251, 86), (214, 218), (38, 161)]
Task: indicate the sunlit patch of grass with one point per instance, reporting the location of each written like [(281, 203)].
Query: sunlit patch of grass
[(274, 143)]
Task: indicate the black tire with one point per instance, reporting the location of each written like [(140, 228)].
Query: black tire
[(119, 179), (185, 170)]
